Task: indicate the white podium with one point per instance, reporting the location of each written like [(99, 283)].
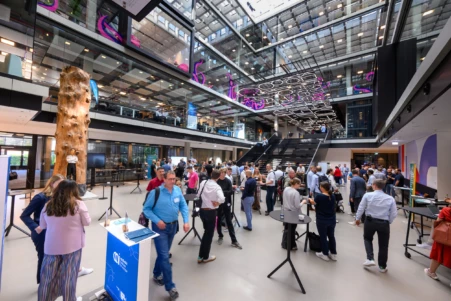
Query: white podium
[(128, 264)]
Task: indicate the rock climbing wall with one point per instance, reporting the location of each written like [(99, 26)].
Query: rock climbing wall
[(72, 121)]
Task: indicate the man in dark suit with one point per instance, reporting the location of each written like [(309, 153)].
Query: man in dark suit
[(358, 189)]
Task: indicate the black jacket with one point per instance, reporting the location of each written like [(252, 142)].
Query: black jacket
[(226, 187)]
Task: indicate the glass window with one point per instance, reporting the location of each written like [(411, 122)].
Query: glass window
[(185, 7), (162, 39)]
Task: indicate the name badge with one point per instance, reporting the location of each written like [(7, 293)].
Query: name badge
[(176, 200)]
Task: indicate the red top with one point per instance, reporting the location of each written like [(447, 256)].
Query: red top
[(337, 172), (154, 183), (440, 252)]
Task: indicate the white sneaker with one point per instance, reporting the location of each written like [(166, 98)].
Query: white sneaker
[(382, 270), (369, 263), (79, 299), (352, 223), (425, 245), (85, 271), (322, 256), (333, 257)]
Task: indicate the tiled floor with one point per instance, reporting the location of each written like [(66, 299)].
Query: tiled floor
[(242, 274)]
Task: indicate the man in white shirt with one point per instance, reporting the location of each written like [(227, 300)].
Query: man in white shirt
[(310, 176), (212, 196), (278, 173), (270, 189), (288, 169), (317, 179), (300, 169), (243, 176), (72, 160), (344, 173)]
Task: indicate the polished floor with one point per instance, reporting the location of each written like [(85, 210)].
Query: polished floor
[(242, 274)]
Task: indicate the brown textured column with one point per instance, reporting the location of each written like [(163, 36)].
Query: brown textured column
[(72, 121)]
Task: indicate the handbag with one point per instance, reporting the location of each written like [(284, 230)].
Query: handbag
[(314, 241), (338, 196), (442, 232)]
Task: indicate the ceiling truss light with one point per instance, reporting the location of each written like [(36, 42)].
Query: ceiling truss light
[(8, 42), (339, 76), (4, 53), (321, 13), (86, 50), (360, 72), (382, 27), (321, 46), (122, 93), (428, 12), (340, 5), (395, 143), (340, 40)]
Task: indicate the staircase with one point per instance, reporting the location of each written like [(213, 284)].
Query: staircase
[(254, 154)]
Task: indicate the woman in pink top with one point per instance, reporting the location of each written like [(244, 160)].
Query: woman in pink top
[(64, 217)]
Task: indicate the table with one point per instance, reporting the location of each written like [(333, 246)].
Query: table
[(25, 196), (309, 206), (290, 217), (138, 176), (402, 194), (191, 197), (13, 194), (423, 212), (111, 184)]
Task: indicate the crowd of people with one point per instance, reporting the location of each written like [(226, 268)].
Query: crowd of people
[(59, 215)]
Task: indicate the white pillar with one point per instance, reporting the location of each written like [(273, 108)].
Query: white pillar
[(188, 150), (443, 164), (276, 123)]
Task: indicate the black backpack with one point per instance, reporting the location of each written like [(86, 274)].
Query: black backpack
[(143, 220), (322, 178), (202, 177)]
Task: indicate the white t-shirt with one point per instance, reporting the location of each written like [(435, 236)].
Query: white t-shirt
[(271, 177), (72, 159)]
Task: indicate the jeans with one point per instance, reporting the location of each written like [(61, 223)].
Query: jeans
[(337, 180), (38, 240), (224, 210), (388, 189), (247, 203), (382, 228), (208, 218), (356, 208), (270, 198), (326, 229), (345, 179), (292, 236), (163, 245)]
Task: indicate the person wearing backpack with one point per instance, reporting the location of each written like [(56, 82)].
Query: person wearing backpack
[(317, 180), (162, 207)]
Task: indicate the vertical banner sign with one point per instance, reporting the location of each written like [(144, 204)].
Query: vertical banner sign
[(4, 181), (121, 275), (239, 130), (413, 181), (192, 116)]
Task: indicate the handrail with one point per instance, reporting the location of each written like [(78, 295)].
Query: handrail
[(276, 134), (314, 155), (264, 153)]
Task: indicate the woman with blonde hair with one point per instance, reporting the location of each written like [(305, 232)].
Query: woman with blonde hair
[(35, 207), (64, 217), (257, 196)]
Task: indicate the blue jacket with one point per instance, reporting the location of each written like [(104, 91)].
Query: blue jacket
[(249, 188), (358, 187), (35, 207), (167, 207)]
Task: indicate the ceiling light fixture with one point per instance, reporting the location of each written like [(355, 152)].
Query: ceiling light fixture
[(382, 27), (86, 50), (305, 51), (321, 46), (5, 41), (340, 40), (428, 12), (395, 143), (103, 57), (359, 72), (31, 49), (122, 93), (265, 37), (233, 50), (360, 34), (290, 56), (340, 5), (422, 59), (289, 26), (339, 76), (67, 43), (100, 86), (381, 37), (246, 63), (321, 13), (4, 53), (247, 34)]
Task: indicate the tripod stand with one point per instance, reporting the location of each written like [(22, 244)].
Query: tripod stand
[(233, 211), (191, 197)]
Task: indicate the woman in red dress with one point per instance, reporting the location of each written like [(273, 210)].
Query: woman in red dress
[(440, 253)]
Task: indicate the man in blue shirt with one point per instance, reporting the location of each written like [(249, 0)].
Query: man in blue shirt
[(310, 176), (380, 210), (164, 217), (167, 167)]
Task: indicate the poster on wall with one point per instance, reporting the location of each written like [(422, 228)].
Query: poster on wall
[(413, 181), (239, 130), (192, 116)]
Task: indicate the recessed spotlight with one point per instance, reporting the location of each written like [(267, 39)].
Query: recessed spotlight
[(252, 68), (100, 86), (217, 80), (250, 43), (428, 12), (4, 53), (359, 72), (360, 34), (142, 98), (305, 51), (381, 37), (67, 43), (103, 57), (122, 93), (233, 50), (47, 34), (289, 26), (340, 40), (86, 50), (181, 83), (395, 143), (5, 41), (339, 76), (246, 63), (247, 34), (321, 46), (340, 5), (44, 73), (382, 27), (290, 56), (321, 13), (422, 59), (140, 72), (117, 63)]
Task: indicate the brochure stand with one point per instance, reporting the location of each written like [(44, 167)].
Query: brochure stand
[(128, 264)]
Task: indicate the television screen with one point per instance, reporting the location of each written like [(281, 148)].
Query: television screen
[(96, 160)]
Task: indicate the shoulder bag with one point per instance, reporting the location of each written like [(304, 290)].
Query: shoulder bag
[(143, 220), (442, 232)]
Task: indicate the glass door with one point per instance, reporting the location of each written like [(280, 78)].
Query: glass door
[(19, 164)]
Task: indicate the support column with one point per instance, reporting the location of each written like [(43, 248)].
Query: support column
[(443, 164), (234, 154), (188, 150), (91, 14), (276, 124), (235, 122)]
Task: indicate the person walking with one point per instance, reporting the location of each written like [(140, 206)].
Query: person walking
[(163, 213), (212, 196), (399, 182), (325, 221), (270, 189), (381, 211), (247, 197), (337, 175), (292, 202), (35, 207), (64, 217), (310, 176), (358, 189), (345, 173), (193, 181), (224, 210), (157, 181)]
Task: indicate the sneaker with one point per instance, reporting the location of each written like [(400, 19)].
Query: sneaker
[(369, 263), (85, 271), (333, 257), (237, 245), (209, 259), (425, 245), (199, 260), (352, 223), (295, 248), (432, 275), (79, 298), (247, 228), (266, 213), (383, 270), (322, 256), (158, 280), (220, 240), (173, 293)]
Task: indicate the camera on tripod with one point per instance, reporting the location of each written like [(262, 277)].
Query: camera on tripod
[(197, 204)]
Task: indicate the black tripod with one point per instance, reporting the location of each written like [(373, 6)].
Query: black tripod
[(233, 211), (191, 197)]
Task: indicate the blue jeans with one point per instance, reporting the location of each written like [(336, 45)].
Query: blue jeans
[(388, 189), (270, 198), (345, 179), (163, 245), (326, 229), (247, 203)]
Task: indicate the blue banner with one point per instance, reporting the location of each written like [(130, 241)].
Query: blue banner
[(192, 116), (94, 90), (121, 275)]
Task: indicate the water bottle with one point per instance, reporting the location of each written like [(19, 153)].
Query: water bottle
[(281, 213)]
